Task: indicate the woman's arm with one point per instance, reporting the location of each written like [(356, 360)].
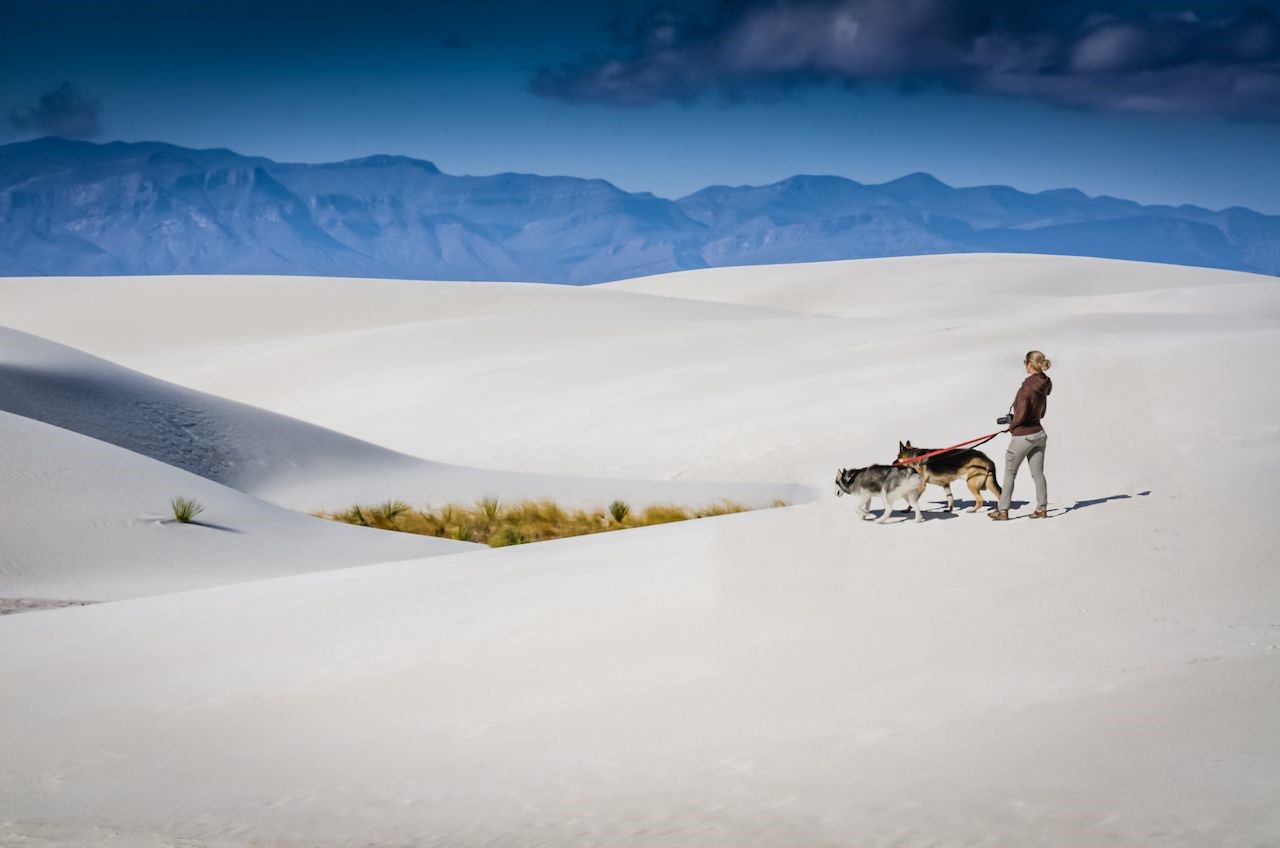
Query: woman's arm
[(1021, 408)]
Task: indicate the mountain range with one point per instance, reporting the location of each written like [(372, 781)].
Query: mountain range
[(79, 208)]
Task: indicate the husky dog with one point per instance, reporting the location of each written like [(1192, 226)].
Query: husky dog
[(973, 466), (890, 482)]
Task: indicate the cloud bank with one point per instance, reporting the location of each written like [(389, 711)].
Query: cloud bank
[(63, 112), (1155, 63)]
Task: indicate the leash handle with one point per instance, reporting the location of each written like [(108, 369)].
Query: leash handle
[(980, 440)]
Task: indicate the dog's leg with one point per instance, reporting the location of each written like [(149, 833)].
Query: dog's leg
[(913, 498), (975, 486), (951, 501), (862, 504), (888, 505)]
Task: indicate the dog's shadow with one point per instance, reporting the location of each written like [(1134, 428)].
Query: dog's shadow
[(929, 512), (940, 507), (963, 506)]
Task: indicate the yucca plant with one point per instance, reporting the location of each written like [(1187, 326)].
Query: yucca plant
[(619, 510), (389, 511), (356, 515), (185, 509), (490, 507)]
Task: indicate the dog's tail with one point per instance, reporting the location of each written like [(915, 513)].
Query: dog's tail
[(993, 485)]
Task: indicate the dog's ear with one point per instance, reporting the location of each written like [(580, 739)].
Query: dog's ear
[(901, 446), (908, 444)]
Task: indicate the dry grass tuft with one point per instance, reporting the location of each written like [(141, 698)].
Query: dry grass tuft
[(185, 509), (498, 524)]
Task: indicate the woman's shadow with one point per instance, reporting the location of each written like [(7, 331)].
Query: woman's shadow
[(1096, 501)]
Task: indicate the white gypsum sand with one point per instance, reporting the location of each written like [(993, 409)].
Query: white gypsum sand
[(775, 678)]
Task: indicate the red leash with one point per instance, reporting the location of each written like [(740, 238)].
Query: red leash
[(981, 440)]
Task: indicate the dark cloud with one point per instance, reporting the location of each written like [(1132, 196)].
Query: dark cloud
[(62, 111), (1148, 62)]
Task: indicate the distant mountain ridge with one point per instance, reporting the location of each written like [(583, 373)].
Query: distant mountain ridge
[(78, 208)]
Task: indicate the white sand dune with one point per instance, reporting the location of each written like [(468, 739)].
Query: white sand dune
[(940, 285), (88, 521), (778, 678), (280, 459), (600, 381)]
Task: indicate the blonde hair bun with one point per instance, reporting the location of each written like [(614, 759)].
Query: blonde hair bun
[(1038, 361)]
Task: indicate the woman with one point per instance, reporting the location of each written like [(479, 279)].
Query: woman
[(1029, 438)]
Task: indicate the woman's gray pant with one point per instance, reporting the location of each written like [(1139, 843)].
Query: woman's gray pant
[(1030, 448)]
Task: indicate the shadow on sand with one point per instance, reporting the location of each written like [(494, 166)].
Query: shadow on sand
[(1096, 501), (937, 509), (222, 527)]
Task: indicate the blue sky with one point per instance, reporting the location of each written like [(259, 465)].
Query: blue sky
[(1160, 102)]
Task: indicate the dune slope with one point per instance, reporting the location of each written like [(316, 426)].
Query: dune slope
[(88, 521), (283, 460)]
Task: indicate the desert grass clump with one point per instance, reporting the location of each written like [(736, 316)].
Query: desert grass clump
[(508, 534), (392, 510), (355, 515), (185, 509), (498, 524), (384, 516), (490, 508), (663, 514)]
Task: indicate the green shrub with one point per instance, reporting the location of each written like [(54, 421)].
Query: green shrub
[(619, 510)]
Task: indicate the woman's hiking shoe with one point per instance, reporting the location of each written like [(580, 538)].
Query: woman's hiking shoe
[(998, 515), (1039, 513)]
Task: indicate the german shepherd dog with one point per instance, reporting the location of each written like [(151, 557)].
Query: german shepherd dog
[(973, 466), (890, 482)]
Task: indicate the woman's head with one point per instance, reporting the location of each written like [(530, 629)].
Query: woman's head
[(1037, 362)]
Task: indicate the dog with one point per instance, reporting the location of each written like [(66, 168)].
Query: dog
[(972, 466), (890, 482)]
